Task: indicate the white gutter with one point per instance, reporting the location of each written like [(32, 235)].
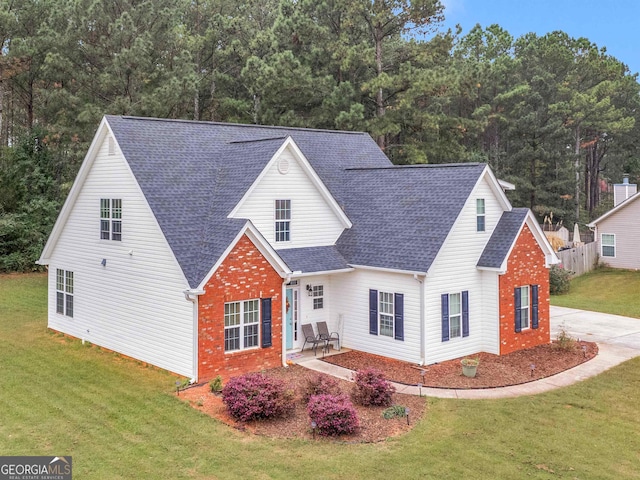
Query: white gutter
[(390, 270), (191, 295), (423, 352)]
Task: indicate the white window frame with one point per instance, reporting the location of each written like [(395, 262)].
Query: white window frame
[(386, 314), (111, 219), (282, 214), (481, 215), (317, 292), (612, 244), (241, 325), (455, 318), (64, 292), (525, 310)]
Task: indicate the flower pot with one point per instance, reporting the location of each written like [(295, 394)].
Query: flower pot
[(469, 369)]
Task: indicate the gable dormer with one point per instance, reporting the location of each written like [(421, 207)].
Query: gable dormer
[(290, 205)]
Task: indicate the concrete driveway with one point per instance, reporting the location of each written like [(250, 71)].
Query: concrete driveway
[(597, 327)]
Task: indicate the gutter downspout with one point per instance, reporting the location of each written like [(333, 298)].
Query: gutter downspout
[(422, 317), (191, 295)]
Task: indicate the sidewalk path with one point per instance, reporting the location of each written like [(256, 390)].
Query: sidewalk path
[(618, 340)]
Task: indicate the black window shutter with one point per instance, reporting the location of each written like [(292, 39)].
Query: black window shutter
[(518, 309), (465, 313), (266, 322), (373, 312), (399, 316), (445, 317), (534, 306)]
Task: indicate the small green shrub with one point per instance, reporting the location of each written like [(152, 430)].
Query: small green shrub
[(394, 411), (559, 280), (320, 385), (371, 388), (333, 414), (216, 385), (564, 341)]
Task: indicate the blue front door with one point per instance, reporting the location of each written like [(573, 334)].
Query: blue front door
[(291, 316)]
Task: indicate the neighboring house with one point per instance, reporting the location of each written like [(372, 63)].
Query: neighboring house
[(618, 234), (202, 247)]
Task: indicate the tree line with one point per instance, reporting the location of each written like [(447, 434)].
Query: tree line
[(552, 114)]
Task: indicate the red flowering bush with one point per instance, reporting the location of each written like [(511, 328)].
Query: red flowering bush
[(333, 414), (320, 385), (254, 396), (371, 388)]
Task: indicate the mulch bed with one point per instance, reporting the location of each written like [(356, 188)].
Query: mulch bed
[(493, 371), (373, 427)]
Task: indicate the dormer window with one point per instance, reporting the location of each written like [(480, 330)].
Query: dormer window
[(111, 219), (283, 220), (480, 223)]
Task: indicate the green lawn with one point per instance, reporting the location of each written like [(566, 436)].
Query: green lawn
[(119, 420), (604, 290)]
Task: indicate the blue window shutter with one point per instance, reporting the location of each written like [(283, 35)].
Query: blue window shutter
[(465, 313), (373, 312), (445, 317), (398, 303), (518, 309), (534, 306), (266, 322)]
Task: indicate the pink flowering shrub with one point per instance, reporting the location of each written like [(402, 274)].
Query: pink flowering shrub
[(254, 396), (371, 388), (320, 385), (333, 414)]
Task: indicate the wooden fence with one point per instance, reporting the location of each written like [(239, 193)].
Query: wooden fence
[(580, 259)]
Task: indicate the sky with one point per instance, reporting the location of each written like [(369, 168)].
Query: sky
[(613, 24)]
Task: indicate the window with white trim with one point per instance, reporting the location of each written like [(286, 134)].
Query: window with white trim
[(317, 292), (385, 313), (64, 292), (241, 325), (455, 315), (480, 218), (608, 242), (283, 220), (111, 219), (525, 305)]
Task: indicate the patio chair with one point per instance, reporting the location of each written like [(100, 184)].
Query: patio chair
[(323, 332), (312, 338)]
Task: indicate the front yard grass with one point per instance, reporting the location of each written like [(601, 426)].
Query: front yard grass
[(121, 420), (606, 290)]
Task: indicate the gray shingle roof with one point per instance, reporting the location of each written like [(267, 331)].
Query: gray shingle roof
[(502, 238), (402, 215), (313, 259), (194, 173)]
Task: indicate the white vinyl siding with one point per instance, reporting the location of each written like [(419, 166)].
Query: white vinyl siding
[(625, 227), (454, 270), (313, 222), (349, 296), (135, 304)]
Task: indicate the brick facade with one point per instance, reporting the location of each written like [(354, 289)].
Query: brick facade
[(244, 274), (526, 266)]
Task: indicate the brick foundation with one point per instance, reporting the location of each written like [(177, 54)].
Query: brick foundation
[(526, 266), (244, 274)]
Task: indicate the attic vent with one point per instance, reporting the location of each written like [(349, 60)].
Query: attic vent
[(283, 166), (112, 146)]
